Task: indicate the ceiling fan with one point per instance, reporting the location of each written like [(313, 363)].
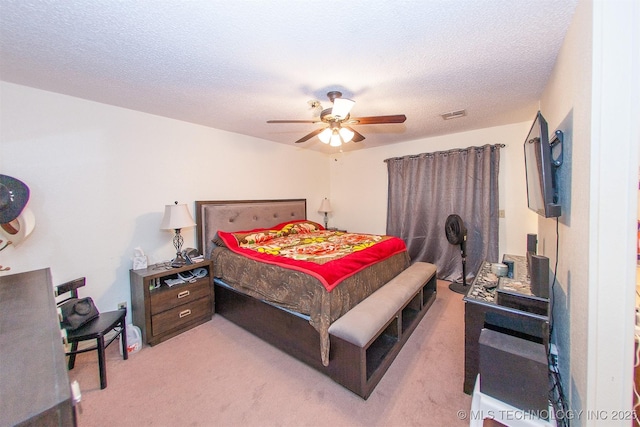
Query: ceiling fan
[(339, 122)]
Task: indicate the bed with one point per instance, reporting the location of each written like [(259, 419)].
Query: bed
[(287, 306)]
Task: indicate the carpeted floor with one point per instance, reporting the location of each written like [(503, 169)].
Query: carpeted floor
[(219, 375)]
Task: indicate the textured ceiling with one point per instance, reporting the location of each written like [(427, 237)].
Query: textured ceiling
[(233, 65)]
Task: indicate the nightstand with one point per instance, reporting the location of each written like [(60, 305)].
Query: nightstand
[(162, 311)]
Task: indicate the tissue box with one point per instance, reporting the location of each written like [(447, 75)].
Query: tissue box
[(139, 263), (139, 259)]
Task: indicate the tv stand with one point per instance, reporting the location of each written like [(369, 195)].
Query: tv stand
[(515, 303)]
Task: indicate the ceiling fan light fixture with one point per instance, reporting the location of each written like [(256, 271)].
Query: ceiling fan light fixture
[(325, 135), (333, 118), (336, 141), (341, 108), (346, 134)]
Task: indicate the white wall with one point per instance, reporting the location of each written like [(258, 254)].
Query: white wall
[(100, 177), (614, 166), (567, 100), (359, 182), (594, 92)]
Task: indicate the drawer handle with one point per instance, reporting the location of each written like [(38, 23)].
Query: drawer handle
[(185, 313), (183, 294)]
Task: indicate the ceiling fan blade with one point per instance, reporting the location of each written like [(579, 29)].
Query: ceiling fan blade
[(398, 118), (357, 136), (293, 121), (309, 135)]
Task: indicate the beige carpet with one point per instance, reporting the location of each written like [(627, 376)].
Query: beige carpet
[(219, 375)]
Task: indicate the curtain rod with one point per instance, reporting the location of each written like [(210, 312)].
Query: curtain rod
[(452, 151)]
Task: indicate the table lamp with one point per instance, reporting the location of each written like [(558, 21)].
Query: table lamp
[(175, 218), (325, 207)]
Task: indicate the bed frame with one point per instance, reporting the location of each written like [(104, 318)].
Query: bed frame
[(285, 330)]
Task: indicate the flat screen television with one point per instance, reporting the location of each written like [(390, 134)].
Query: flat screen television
[(542, 191)]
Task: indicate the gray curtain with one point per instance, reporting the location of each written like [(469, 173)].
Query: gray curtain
[(425, 189)]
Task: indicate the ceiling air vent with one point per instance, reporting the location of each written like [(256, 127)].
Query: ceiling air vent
[(453, 114)]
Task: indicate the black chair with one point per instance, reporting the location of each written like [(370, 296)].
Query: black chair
[(96, 329)]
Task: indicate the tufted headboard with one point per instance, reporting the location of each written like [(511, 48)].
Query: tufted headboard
[(237, 215)]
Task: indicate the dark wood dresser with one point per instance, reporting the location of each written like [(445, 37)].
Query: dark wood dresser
[(482, 300), (34, 385), (162, 311)]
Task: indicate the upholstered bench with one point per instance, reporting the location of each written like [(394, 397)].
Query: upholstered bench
[(375, 330)]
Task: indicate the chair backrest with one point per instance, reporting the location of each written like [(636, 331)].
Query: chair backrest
[(72, 287)]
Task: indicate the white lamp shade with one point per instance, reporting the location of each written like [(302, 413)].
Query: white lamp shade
[(346, 134), (325, 135), (341, 107), (176, 217), (325, 206), (335, 139)]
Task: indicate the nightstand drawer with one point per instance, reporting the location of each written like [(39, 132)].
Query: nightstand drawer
[(180, 315), (166, 299)]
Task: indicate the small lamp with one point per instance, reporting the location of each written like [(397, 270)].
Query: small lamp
[(325, 207), (175, 218)]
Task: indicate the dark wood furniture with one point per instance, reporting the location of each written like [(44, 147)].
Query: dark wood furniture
[(34, 383), (283, 329), (358, 368), (97, 329), (366, 340), (521, 309), (162, 311)]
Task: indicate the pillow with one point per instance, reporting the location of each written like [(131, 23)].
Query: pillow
[(301, 227), (257, 236), (262, 235), (218, 241)]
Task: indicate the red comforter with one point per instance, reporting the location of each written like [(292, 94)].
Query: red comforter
[(330, 256)]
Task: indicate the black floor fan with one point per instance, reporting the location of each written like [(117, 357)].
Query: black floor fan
[(457, 235)]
